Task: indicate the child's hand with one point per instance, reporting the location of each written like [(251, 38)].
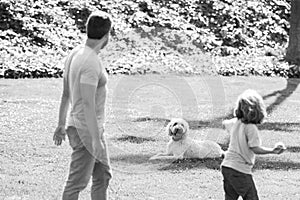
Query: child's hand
[(279, 148)]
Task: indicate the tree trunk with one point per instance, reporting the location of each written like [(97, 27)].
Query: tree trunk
[(293, 50)]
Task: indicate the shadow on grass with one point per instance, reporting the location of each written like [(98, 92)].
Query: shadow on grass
[(260, 164), (282, 95), (192, 163), (291, 86), (263, 163), (131, 158), (208, 163), (272, 126), (193, 124), (293, 149), (279, 126), (217, 123), (134, 139), (152, 119), (214, 164)]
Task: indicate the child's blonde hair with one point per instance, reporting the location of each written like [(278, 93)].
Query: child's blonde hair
[(250, 107)]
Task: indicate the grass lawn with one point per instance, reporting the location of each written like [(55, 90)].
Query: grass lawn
[(138, 108)]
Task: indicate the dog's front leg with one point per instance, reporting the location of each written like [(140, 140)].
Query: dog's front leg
[(160, 156), (180, 156), (167, 156)]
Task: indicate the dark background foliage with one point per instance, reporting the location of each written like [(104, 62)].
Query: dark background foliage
[(224, 37)]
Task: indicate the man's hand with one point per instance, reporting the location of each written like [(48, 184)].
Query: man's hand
[(98, 149), (59, 135)]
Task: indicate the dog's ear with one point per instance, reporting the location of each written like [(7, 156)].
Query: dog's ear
[(168, 128), (185, 125)]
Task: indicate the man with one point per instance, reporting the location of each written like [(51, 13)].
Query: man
[(84, 89)]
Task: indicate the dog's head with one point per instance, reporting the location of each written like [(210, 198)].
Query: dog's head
[(177, 129)]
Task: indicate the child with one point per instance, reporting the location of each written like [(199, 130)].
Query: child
[(244, 144)]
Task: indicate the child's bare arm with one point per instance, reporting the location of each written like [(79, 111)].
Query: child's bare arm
[(262, 150), (266, 150)]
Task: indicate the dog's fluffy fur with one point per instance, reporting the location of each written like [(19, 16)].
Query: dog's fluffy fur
[(181, 146)]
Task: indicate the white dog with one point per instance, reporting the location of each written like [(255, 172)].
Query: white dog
[(181, 146)]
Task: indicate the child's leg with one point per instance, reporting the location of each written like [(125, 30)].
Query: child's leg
[(230, 193), (252, 192), (241, 183)]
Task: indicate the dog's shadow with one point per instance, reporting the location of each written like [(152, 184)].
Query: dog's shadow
[(134, 161), (192, 163), (261, 163), (138, 160), (215, 164), (142, 161)]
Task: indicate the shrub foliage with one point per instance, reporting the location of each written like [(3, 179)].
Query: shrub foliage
[(150, 36)]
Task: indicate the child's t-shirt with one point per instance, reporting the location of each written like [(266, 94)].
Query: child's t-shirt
[(239, 156)]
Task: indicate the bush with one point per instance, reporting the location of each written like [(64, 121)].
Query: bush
[(181, 36)]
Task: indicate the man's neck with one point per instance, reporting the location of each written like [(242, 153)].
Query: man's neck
[(93, 44)]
